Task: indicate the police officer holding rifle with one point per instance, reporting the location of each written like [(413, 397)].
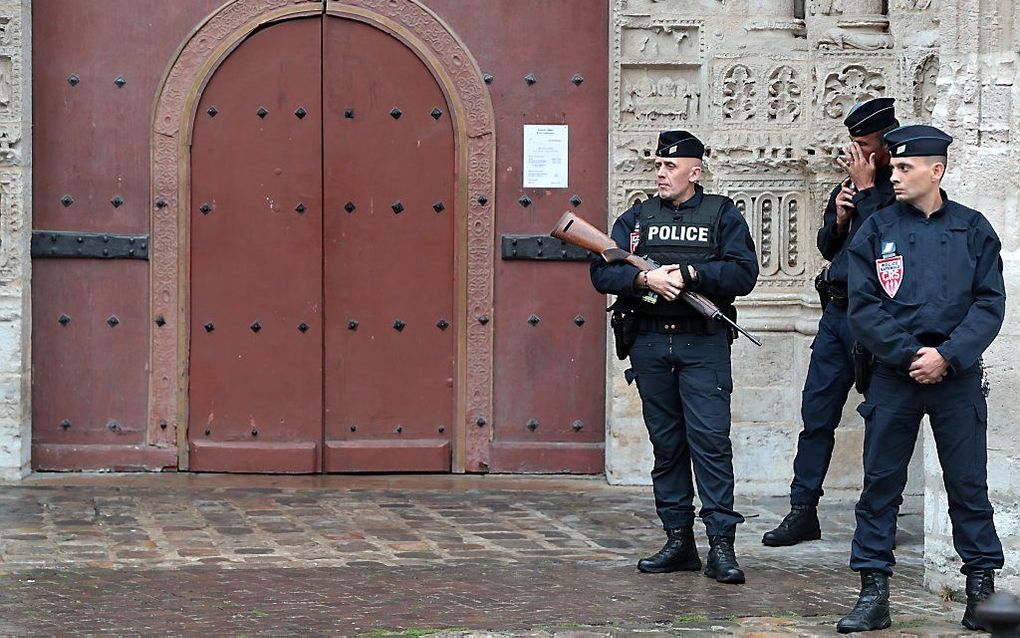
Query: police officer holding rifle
[(680, 358)]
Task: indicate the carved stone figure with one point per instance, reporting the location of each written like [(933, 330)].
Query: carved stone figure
[(840, 38), (925, 90)]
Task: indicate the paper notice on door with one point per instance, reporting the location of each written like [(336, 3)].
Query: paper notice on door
[(545, 156)]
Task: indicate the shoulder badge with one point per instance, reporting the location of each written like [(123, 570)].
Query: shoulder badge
[(890, 273)]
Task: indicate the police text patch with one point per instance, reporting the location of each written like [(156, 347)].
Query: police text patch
[(678, 235)]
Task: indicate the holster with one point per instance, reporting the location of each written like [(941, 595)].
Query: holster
[(623, 320), (864, 366), (822, 286)]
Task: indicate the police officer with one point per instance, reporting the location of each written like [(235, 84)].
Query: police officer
[(926, 298), (680, 360), (830, 372)]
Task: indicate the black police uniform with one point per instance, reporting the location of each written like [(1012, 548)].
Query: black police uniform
[(830, 372), (926, 281), (681, 362)]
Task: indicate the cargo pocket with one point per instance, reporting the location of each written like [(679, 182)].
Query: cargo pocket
[(723, 382)]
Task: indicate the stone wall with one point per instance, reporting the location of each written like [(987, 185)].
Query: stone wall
[(979, 104), (15, 231), (766, 84)]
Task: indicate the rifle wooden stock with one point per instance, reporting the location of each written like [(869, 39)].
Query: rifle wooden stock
[(574, 230)]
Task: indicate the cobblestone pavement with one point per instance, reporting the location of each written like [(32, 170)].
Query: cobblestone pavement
[(338, 555)]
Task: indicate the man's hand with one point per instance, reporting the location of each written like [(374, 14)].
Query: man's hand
[(844, 205), (928, 366), (667, 281), (861, 169)]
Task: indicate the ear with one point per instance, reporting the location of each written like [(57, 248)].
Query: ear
[(695, 174), (938, 171)]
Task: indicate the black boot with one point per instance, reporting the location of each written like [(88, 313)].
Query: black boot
[(722, 561), (801, 524), (679, 554), (872, 609), (980, 585)]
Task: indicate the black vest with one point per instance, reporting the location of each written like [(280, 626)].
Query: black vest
[(688, 236)]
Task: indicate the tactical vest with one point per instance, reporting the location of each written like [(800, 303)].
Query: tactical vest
[(688, 236)]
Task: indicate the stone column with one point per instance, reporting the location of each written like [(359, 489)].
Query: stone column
[(978, 103), (15, 237)]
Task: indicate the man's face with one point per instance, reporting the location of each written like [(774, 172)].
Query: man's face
[(913, 178), (873, 143), (675, 176)]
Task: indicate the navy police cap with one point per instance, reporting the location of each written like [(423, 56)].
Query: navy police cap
[(679, 144), (917, 141), (870, 116)]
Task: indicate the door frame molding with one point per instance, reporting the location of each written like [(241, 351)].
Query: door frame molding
[(174, 112)]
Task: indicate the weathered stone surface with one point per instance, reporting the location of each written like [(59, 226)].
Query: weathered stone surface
[(768, 96), (977, 104), (15, 234)]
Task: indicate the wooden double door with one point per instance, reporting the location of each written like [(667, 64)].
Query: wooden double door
[(322, 279)]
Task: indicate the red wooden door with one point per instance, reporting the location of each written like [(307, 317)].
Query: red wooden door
[(389, 256), (322, 257), (256, 258)]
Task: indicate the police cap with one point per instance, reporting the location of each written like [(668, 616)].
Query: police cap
[(870, 116), (917, 141), (679, 144)]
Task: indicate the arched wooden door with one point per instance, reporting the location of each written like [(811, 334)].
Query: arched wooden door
[(322, 279)]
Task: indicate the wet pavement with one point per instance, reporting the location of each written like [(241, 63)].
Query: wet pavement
[(183, 554)]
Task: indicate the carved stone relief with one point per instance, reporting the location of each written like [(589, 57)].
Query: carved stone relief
[(6, 83), (843, 38), (784, 97), (925, 90), (660, 97), (10, 225), (7, 36), (774, 211), (10, 145), (752, 151), (738, 93), (663, 43), (852, 83)]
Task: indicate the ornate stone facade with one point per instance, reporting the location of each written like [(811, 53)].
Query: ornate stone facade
[(978, 102), (768, 95), (15, 229), (772, 96)]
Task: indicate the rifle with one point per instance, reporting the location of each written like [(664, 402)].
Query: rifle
[(574, 230)]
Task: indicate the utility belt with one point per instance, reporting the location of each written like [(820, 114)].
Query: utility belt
[(674, 325), (626, 323)]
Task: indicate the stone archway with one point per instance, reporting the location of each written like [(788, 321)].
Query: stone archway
[(176, 102)]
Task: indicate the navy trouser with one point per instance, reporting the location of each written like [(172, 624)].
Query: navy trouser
[(685, 383), (892, 410), (829, 379)]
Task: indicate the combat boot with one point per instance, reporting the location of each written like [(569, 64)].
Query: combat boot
[(722, 561), (801, 524), (872, 609), (679, 554), (980, 585)]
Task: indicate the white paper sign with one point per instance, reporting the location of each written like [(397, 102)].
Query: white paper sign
[(545, 156)]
